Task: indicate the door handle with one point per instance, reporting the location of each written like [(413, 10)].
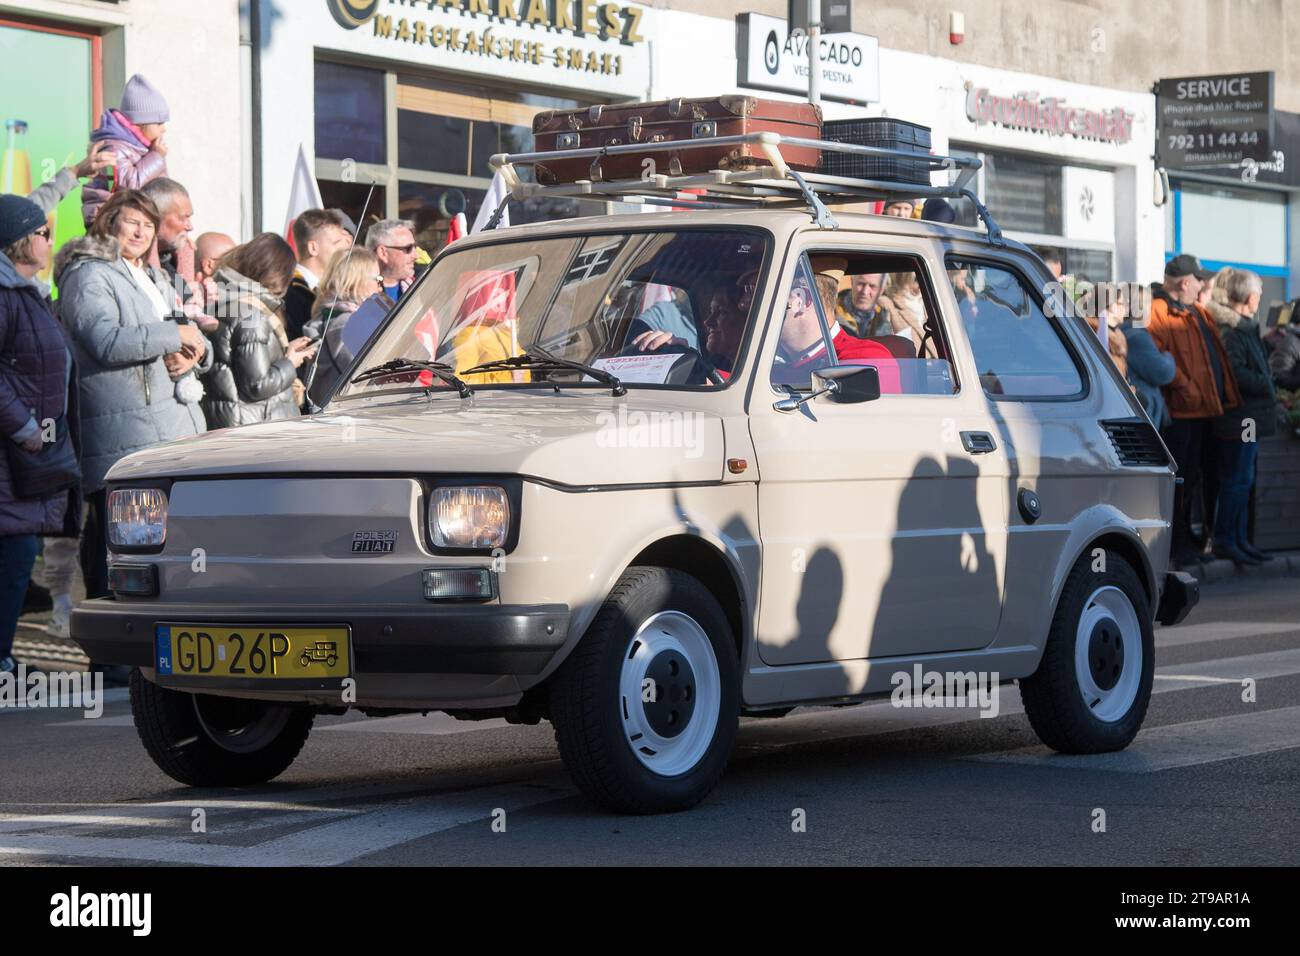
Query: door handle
[(978, 443)]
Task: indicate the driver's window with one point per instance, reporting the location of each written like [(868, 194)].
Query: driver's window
[(805, 344)]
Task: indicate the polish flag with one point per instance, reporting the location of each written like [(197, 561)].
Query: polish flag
[(496, 194), (457, 229), (304, 194)]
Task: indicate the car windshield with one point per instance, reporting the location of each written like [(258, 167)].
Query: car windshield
[(656, 308)]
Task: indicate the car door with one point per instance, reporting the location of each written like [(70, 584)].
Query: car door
[(1045, 415), (883, 524)]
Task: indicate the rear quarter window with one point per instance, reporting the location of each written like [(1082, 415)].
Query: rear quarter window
[(1019, 352)]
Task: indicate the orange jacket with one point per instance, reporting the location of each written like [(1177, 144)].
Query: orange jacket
[(1192, 393)]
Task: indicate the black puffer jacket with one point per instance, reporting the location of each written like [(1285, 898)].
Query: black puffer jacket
[(251, 379), (1284, 362)]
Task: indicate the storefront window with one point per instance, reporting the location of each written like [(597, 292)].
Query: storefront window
[(47, 102), (363, 206), (1025, 195), (1240, 228), (1088, 264), (446, 133), (350, 113), (1233, 225), (439, 144)]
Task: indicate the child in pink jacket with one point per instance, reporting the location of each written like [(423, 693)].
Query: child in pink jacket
[(135, 133)]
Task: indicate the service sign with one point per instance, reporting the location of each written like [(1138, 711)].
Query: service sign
[(770, 58), (1204, 121)]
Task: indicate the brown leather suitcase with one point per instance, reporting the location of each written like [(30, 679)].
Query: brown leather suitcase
[(677, 120)]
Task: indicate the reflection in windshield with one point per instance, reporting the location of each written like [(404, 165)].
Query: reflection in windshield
[(648, 308)]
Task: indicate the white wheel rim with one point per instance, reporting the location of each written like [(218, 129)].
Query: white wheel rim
[(669, 636), (1108, 614)]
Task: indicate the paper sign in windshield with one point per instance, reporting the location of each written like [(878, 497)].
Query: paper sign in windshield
[(648, 369)]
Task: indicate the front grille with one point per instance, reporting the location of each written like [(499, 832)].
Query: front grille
[(1136, 442)]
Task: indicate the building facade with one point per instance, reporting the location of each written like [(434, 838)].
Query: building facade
[(397, 104), (62, 62)]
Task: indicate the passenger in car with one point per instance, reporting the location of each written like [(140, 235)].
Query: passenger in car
[(864, 312), (723, 327), (904, 290), (802, 349)]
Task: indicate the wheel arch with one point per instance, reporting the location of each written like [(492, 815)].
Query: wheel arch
[(712, 567), (1125, 541)]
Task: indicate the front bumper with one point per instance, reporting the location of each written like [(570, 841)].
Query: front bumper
[(491, 639), (1177, 598)]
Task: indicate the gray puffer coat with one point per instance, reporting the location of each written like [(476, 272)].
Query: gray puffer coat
[(251, 381), (128, 400)]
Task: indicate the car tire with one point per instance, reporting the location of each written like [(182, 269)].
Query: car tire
[(1093, 684), (207, 741), (664, 748)]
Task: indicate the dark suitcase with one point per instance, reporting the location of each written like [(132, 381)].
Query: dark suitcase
[(678, 120), (883, 132)]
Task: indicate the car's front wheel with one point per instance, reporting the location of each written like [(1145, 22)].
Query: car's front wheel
[(1092, 687), (207, 741), (647, 706)]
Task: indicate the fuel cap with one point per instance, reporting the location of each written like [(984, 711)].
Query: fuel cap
[(1031, 509)]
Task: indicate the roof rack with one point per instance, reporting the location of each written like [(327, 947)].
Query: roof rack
[(775, 184)]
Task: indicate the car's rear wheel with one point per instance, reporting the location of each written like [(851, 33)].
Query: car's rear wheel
[(647, 706), (208, 741), (1092, 687)]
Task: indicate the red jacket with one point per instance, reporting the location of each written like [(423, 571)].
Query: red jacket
[(854, 351)]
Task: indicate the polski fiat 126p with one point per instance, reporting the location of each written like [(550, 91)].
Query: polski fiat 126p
[(641, 475)]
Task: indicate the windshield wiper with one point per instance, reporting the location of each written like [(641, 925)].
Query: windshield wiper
[(444, 372), (538, 359)]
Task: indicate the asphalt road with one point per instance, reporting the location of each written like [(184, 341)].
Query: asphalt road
[(1210, 780)]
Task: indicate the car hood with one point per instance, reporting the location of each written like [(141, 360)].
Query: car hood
[(570, 437)]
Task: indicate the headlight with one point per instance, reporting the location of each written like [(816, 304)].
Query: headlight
[(137, 518), (473, 516)]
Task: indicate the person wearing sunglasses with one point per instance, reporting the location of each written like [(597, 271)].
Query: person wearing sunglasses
[(393, 243), (38, 397)]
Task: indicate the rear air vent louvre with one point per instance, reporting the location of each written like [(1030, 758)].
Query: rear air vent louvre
[(1136, 442)]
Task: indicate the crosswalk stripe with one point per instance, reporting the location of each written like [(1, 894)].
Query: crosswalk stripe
[(1204, 631), (1197, 679), (326, 844), (1177, 745)]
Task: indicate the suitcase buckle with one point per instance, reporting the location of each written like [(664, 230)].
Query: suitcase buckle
[(634, 129), (704, 128), (675, 107), (567, 141), (593, 114)]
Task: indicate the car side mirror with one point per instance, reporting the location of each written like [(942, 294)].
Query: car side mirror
[(845, 384), (854, 383)]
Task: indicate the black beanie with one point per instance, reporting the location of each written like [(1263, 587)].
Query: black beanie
[(19, 218)]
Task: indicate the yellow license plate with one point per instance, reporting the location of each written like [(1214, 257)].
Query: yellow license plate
[(252, 651)]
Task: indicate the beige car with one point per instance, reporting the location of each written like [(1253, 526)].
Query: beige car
[(643, 475)]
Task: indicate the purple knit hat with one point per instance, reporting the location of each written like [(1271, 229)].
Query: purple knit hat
[(142, 103)]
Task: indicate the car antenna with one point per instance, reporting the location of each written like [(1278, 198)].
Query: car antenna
[(324, 342)]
